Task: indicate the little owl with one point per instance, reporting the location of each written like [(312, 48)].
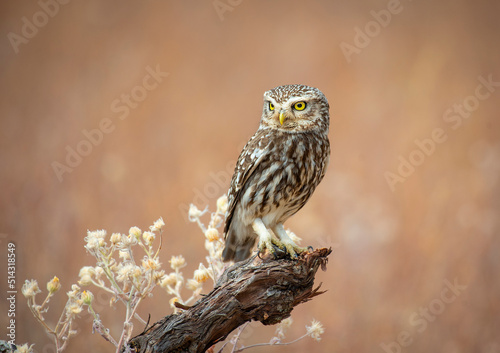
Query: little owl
[(277, 171)]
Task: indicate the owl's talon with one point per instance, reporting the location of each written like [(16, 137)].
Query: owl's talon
[(266, 244), (294, 250), (266, 239), (279, 253), (278, 244), (291, 248), (279, 248)]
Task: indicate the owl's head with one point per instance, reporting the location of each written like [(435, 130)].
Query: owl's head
[(295, 108)]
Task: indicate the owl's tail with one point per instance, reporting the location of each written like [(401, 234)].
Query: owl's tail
[(238, 247)]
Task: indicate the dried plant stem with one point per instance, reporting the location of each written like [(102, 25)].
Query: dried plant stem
[(262, 290)]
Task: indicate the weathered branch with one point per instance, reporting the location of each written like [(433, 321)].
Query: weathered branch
[(264, 290)]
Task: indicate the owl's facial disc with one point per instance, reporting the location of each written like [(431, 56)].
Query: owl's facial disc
[(293, 113)]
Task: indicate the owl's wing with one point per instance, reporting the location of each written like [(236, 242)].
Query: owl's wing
[(252, 154)]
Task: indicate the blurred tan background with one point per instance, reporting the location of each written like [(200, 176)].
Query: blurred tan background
[(415, 267)]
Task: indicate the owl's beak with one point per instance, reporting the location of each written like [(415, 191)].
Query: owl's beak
[(282, 117)]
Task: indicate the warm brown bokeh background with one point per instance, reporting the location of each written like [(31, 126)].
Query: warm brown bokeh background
[(394, 250)]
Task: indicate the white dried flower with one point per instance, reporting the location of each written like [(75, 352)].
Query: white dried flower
[(87, 297), (136, 272), (216, 220), (73, 293), (85, 281), (169, 280), (30, 288), (86, 271), (135, 231), (148, 237), (218, 253), (157, 225), (101, 233), (124, 254), (98, 271), (123, 272), (177, 262), (158, 276), (286, 323), (53, 285), (173, 301), (193, 285), (150, 264), (222, 204), (315, 330), (24, 348), (201, 274), (93, 243), (95, 239), (282, 327), (73, 308), (194, 213), (212, 234), (130, 240), (115, 238), (85, 275)]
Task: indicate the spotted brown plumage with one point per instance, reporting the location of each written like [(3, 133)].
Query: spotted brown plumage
[(277, 170)]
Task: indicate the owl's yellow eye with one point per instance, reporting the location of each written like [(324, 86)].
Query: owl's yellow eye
[(271, 106), (299, 106)]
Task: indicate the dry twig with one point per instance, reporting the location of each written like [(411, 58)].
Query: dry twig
[(264, 290)]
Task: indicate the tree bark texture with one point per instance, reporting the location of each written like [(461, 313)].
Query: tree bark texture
[(264, 290)]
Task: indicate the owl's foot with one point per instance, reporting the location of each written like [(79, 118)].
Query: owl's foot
[(266, 239), (291, 248), (279, 253), (273, 246)]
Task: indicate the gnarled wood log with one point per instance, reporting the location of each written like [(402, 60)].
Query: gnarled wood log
[(264, 290)]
